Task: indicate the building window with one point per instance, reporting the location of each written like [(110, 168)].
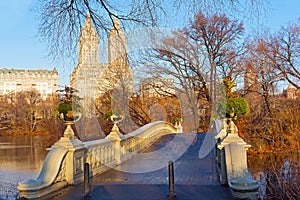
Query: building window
[(9, 87)]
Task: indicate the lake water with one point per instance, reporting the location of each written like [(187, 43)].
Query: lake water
[(21, 158), (278, 175)]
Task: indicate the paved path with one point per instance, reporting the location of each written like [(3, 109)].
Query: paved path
[(146, 175)]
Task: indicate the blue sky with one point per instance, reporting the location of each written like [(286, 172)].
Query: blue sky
[(20, 47)]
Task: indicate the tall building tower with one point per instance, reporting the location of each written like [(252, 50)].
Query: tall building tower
[(118, 73), (92, 79), (88, 43), (85, 76), (117, 44)]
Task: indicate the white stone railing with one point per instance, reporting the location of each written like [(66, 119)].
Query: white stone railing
[(115, 148), (232, 157), (101, 155)]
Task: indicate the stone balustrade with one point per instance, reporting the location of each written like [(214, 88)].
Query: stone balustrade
[(100, 155), (68, 155)]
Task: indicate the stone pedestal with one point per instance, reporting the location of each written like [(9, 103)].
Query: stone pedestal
[(75, 157), (234, 160), (68, 140), (233, 137), (115, 136)]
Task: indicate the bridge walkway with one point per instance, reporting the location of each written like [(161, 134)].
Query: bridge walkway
[(146, 175)]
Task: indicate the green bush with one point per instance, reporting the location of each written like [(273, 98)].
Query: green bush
[(110, 113), (69, 105), (236, 105), (64, 108)]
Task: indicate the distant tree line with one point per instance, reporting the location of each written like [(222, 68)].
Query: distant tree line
[(26, 113)]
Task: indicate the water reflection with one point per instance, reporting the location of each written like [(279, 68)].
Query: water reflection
[(21, 157), (245, 195), (277, 174)]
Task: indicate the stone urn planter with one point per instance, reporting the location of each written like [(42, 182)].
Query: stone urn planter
[(69, 110), (115, 119)]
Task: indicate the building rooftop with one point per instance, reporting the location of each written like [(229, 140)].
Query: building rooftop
[(29, 71)]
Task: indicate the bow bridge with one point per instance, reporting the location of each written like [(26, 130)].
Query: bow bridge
[(136, 163)]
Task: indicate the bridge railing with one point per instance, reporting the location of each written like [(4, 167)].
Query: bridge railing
[(116, 148), (69, 154), (99, 154)]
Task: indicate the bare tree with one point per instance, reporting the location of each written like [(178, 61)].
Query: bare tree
[(271, 59), (180, 58), (263, 100), (197, 57), (46, 121), (61, 20), (140, 110), (284, 52), (21, 110), (219, 37), (27, 113)]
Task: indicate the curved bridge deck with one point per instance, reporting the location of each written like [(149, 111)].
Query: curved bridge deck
[(135, 179)]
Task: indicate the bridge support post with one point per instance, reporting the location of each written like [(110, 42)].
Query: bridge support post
[(172, 194), (223, 174), (87, 186)]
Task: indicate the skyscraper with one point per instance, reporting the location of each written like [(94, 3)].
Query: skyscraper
[(92, 79)]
